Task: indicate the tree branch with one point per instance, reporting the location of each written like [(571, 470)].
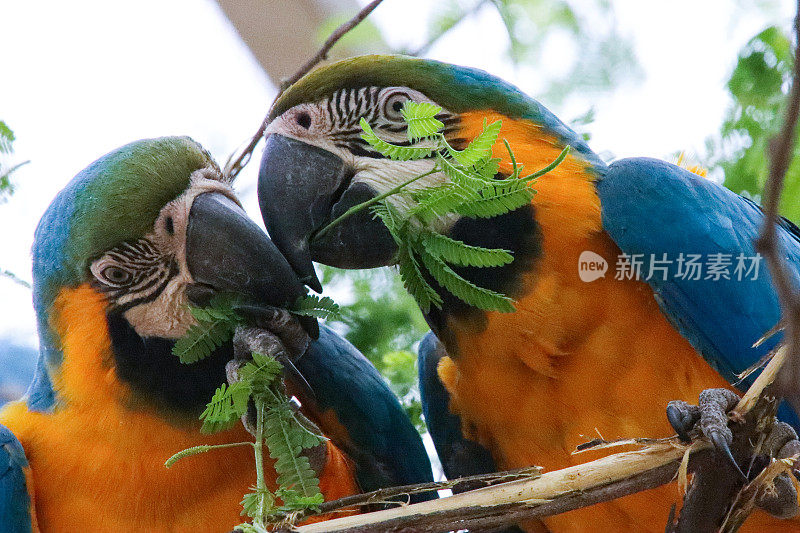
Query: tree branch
[(551, 493), (234, 165), (782, 149)]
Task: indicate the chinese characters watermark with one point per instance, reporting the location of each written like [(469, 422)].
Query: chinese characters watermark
[(660, 267)]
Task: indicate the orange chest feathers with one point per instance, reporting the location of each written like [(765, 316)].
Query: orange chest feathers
[(577, 360), (97, 465)]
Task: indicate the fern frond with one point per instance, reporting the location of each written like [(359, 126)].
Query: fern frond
[(202, 339), (214, 326), (260, 372), (320, 307), (226, 407), (497, 198), (468, 292), (459, 253), (437, 201), (285, 442), (394, 152), (458, 174), (420, 117), (414, 282), (488, 168), (480, 149)]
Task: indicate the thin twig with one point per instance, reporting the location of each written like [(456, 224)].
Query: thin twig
[(433, 39), (16, 279), (383, 496), (782, 149), (234, 165)]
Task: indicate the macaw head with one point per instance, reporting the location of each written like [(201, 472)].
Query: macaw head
[(120, 252), (316, 166)]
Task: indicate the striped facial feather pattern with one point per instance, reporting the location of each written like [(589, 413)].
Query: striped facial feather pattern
[(145, 280), (333, 125), (334, 121), (133, 273)]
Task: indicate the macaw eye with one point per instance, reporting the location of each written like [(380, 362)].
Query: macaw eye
[(393, 106), (304, 120), (115, 275)]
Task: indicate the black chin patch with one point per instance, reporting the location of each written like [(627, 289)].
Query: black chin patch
[(158, 378), (518, 232)]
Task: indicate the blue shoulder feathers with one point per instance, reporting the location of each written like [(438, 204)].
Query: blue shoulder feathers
[(656, 210), (15, 502)]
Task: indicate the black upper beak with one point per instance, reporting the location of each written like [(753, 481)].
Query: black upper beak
[(301, 188), (228, 252)]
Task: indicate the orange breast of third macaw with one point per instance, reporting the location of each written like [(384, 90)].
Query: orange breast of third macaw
[(577, 360), (98, 465)]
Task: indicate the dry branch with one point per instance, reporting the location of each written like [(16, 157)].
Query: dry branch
[(552, 493), (234, 165)]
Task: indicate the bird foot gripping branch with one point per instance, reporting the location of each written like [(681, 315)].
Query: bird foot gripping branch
[(265, 341), (752, 467)]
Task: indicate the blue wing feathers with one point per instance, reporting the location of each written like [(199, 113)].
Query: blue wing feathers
[(388, 449), (651, 207), (459, 456), (14, 499)]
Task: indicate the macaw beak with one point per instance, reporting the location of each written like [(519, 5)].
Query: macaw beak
[(301, 188), (228, 252)]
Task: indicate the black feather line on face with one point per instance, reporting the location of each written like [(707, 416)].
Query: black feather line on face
[(158, 379)]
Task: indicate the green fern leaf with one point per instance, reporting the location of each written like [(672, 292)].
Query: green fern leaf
[(316, 306), (488, 168), (468, 292), (202, 339), (214, 326), (250, 504), (394, 152), (420, 117), (285, 442), (498, 198), (414, 282), (260, 372), (459, 175), (480, 149), (435, 202), (459, 253), (226, 407)]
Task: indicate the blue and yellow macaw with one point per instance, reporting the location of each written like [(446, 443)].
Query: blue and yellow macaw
[(591, 348), (131, 240)]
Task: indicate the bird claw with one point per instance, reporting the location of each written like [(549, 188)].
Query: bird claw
[(781, 443), (710, 419), (683, 417)]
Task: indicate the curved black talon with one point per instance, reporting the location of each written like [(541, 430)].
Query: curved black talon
[(293, 375), (722, 443), (682, 417)]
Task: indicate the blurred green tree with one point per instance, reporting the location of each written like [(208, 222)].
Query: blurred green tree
[(758, 87), (6, 149)]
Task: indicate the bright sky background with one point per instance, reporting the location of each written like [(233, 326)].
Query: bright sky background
[(81, 78)]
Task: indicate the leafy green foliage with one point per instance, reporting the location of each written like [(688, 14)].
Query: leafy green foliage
[(277, 424), (473, 190), (316, 306), (216, 323), (421, 120), (758, 86), (396, 153), (214, 326), (7, 139), (226, 407)]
